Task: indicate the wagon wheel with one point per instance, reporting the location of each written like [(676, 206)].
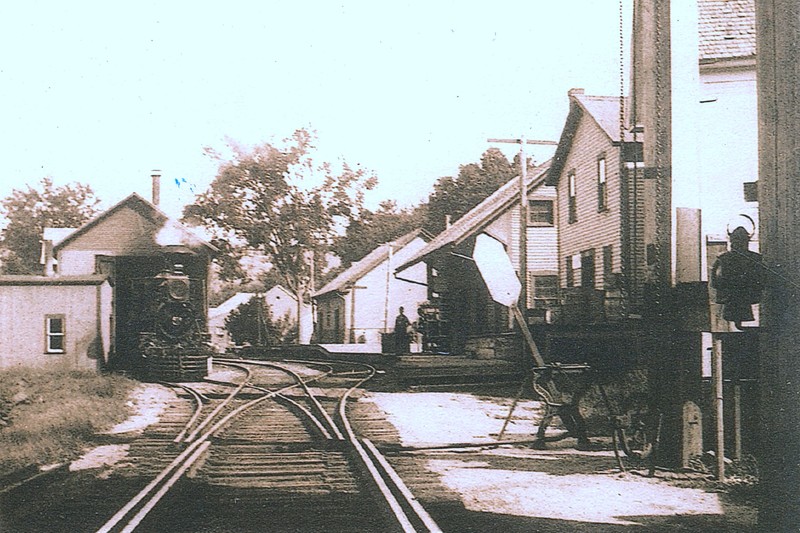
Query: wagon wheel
[(639, 439), (636, 441), (635, 433)]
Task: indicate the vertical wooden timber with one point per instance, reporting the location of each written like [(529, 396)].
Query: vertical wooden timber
[(673, 360), (652, 96), (778, 67)]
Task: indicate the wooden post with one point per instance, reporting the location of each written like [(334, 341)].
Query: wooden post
[(716, 378), (526, 334), (778, 70), (737, 419), (523, 224), (523, 210)]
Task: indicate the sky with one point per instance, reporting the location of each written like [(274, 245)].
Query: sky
[(103, 92)]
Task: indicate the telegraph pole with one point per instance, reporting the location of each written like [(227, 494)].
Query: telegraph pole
[(523, 210)]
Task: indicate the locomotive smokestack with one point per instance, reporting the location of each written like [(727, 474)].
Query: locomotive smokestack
[(156, 175)]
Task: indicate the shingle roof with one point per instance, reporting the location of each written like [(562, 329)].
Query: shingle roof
[(727, 29), (358, 269), (479, 216)]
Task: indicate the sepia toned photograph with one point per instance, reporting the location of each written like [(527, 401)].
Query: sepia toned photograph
[(358, 266)]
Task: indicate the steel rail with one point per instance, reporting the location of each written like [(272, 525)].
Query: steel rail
[(190, 454), (383, 475), (199, 400), (394, 505), (320, 426), (193, 435), (381, 480), (311, 397), (166, 487), (409, 497)]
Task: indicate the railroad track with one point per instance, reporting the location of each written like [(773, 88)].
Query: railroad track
[(280, 431)]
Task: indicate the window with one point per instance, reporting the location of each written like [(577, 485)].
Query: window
[(573, 201), (602, 190), (609, 281), (544, 291), (570, 277), (587, 269), (55, 333), (540, 213)]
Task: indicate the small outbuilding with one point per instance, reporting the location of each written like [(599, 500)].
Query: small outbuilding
[(123, 287), (460, 316), (359, 305), (55, 321), (282, 305)]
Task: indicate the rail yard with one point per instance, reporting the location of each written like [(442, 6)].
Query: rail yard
[(277, 446)]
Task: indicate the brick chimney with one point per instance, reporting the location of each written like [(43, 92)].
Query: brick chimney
[(156, 175)]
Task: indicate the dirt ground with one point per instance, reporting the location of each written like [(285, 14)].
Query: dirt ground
[(565, 489), (147, 402), (516, 487)]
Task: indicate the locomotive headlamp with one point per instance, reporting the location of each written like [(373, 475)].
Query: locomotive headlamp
[(176, 283), (178, 288)]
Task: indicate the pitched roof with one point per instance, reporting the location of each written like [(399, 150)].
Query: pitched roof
[(230, 304), (727, 29), (358, 269), (56, 235), (603, 110), (480, 216), (146, 209)]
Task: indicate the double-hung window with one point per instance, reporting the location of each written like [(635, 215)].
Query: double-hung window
[(573, 199), (540, 213), (544, 291), (602, 188), (55, 333)]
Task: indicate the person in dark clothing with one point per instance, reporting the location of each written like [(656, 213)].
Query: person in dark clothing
[(401, 338)]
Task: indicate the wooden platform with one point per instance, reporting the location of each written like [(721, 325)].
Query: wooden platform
[(429, 371), (413, 370)]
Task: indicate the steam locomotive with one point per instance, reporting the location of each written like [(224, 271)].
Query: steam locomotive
[(162, 317)]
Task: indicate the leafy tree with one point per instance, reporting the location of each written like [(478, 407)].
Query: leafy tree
[(278, 202), (252, 323), (29, 211), (474, 183), (371, 229)]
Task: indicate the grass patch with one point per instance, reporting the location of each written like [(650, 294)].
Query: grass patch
[(51, 415)]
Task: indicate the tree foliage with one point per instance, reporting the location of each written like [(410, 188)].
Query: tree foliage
[(371, 229), (277, 201), (28, 211), (455, 196), (252, 323)]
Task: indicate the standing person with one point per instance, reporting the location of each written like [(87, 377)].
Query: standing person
[(401, 325)]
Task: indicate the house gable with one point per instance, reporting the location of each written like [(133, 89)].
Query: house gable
[(585, 227), (492, 215), (133, 227)]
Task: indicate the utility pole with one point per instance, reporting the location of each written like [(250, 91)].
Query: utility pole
[(778, 40), (523, 210)]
